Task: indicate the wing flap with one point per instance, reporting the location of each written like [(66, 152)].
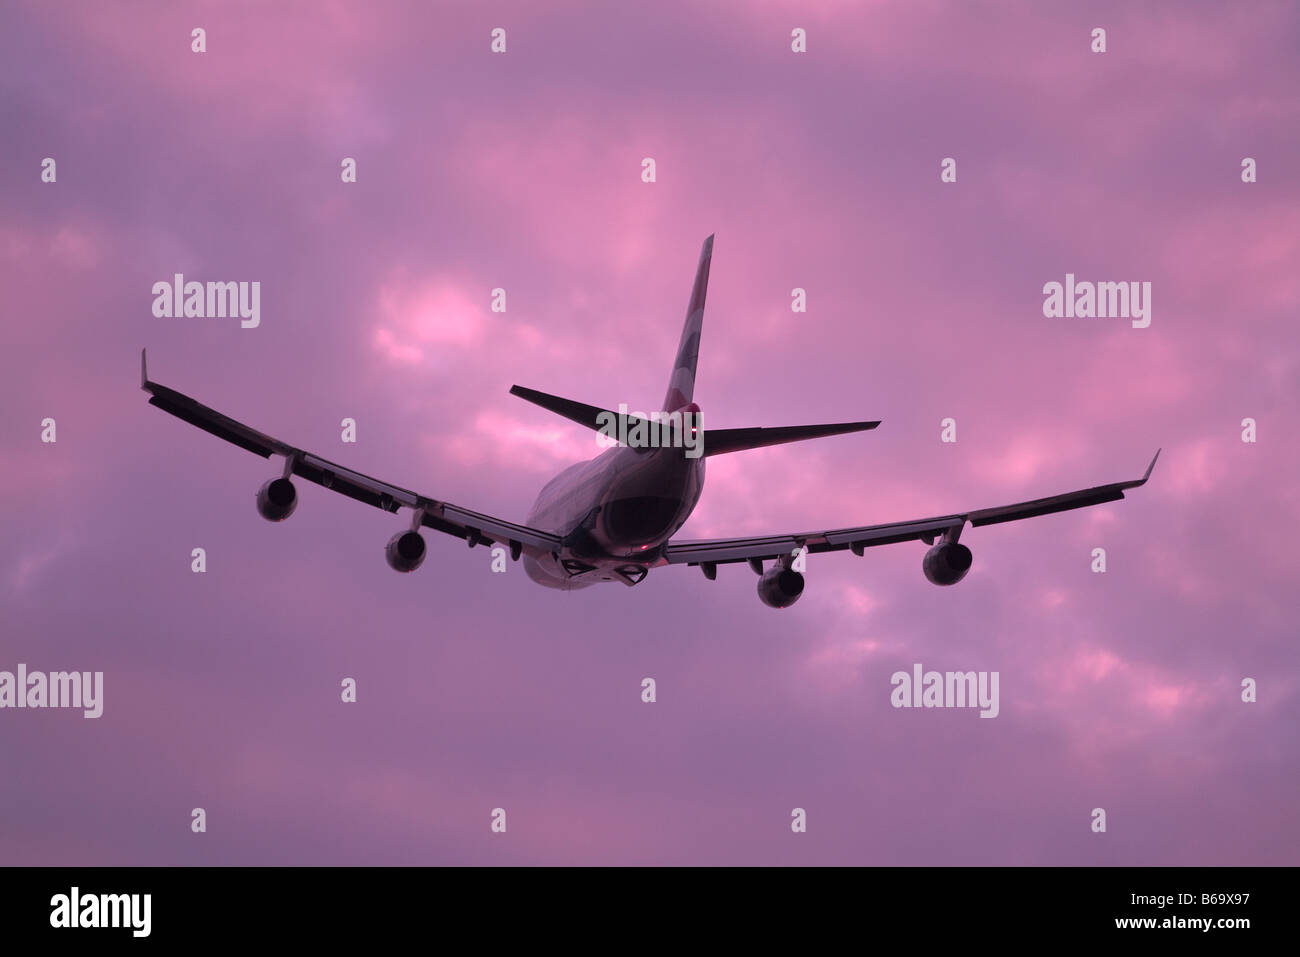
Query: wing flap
[(442, 516), (213, 422), (724, 550), (890, 534), (500, 530), (1045, 506)]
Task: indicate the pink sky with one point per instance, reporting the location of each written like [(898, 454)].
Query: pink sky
[(522, 171)]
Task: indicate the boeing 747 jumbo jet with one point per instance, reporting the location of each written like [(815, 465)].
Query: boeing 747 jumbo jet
[(613, 518)]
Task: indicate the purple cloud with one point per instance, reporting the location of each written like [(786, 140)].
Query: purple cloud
[(522, 171)]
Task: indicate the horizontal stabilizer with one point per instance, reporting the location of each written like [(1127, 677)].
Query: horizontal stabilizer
[(613, 423), (718, 441), (580, 412)]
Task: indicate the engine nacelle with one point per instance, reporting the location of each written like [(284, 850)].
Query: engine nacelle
[(947, 563), (277, 499), (780, 587), (405, 551)]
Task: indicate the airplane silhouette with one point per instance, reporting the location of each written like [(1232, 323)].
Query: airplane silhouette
[(613, 518)]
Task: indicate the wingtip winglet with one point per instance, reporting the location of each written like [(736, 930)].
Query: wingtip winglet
[(1152, 465), (144, 369)]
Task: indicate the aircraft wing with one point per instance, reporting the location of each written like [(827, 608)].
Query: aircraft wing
[(473, 527), (723, 550)]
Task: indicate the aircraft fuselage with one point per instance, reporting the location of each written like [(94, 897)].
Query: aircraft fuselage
[(613, 512)]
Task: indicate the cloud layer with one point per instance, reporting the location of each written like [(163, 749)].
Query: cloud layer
[(522, 172)]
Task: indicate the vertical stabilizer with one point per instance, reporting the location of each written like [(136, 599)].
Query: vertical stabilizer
[(681, 386)]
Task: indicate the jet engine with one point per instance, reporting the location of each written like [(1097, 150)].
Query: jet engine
[(780, 587), (947, 563), (405, 551), (277, 499)]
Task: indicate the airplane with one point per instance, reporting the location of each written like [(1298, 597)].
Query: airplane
[(613, 518)]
